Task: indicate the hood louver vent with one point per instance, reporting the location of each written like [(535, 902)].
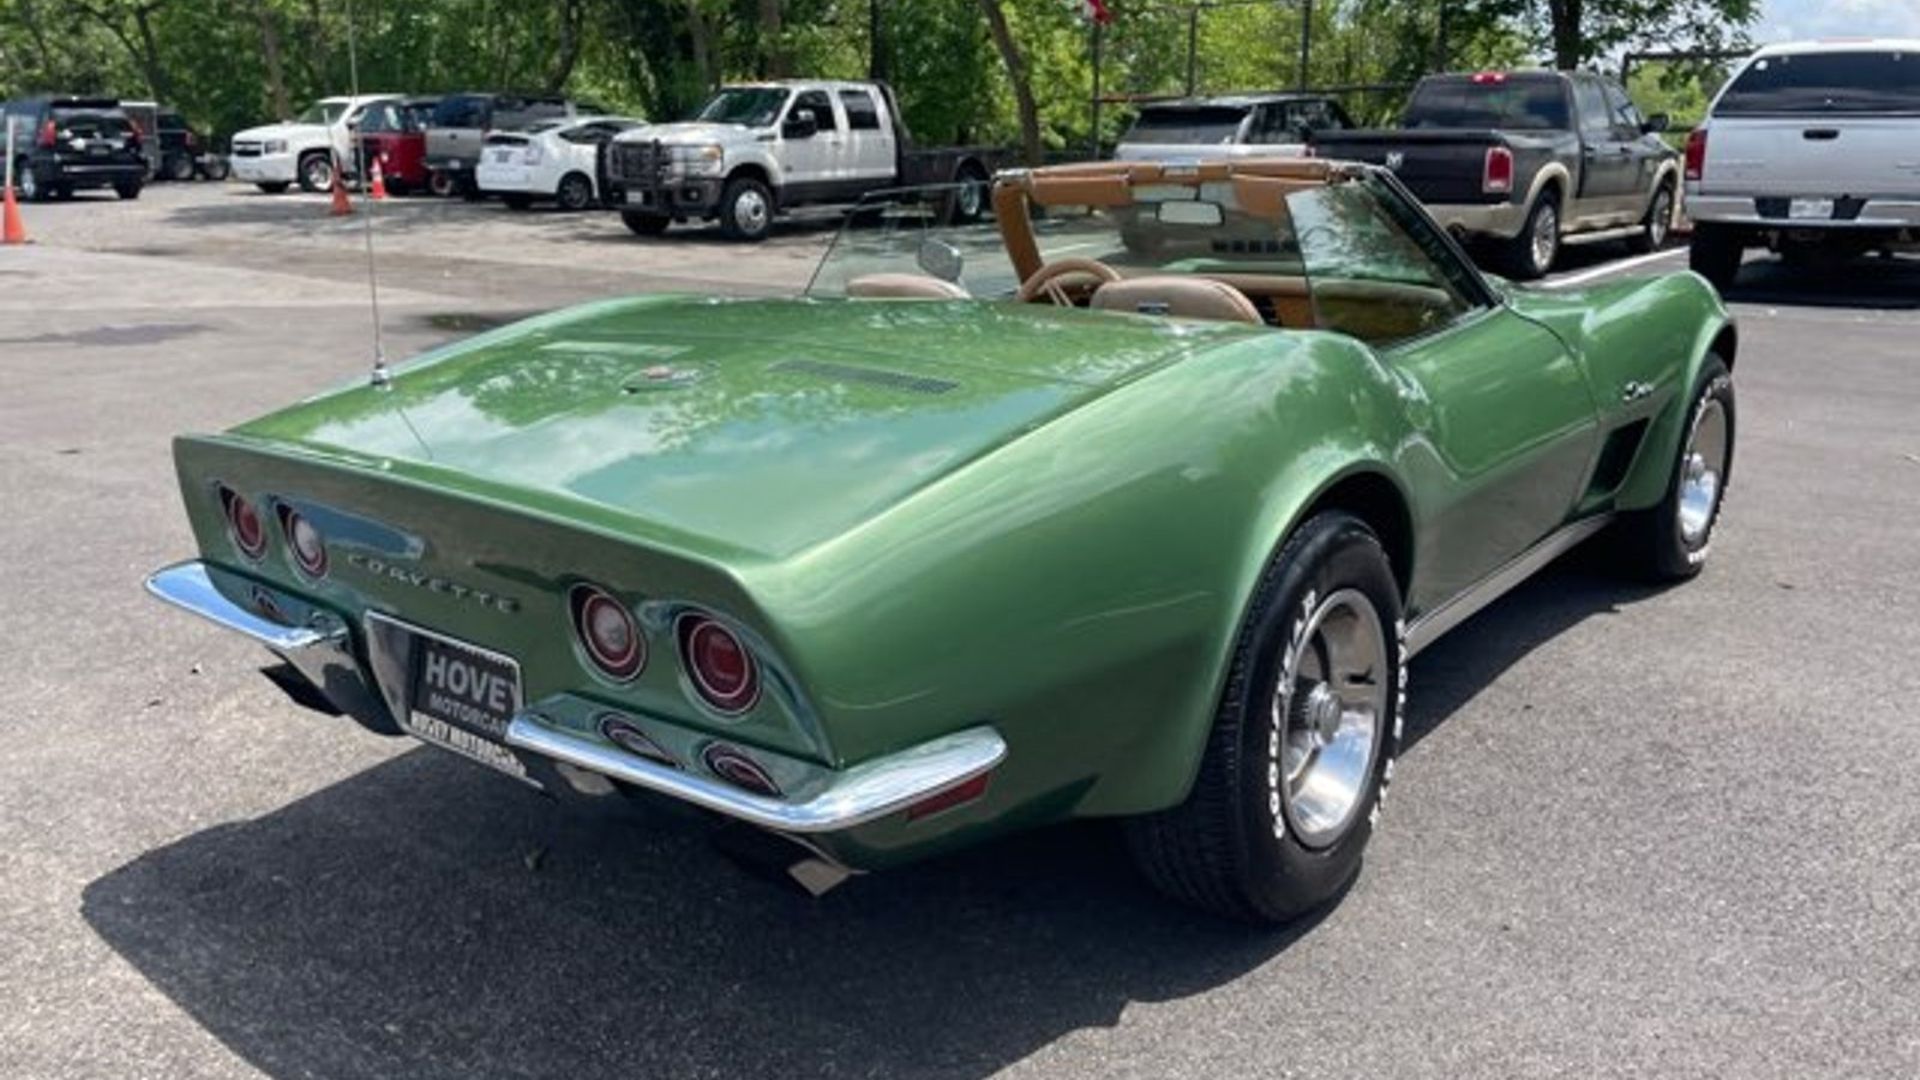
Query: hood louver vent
[(897, 380)]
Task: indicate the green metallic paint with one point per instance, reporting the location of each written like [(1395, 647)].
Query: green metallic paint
[(1061, 543)]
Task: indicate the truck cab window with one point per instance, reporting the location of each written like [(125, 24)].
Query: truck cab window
[(1596, 120), (816, 102), (861, 113)]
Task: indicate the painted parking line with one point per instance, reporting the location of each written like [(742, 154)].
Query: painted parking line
[(1610, 269)]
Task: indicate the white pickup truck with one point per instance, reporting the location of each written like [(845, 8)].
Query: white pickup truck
[(302, 150), (1812, 150), (757, 149)]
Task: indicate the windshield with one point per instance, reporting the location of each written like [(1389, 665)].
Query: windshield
[(1515, 104), (1831, 82), (1352, 255), (322, 112), (1190, 125), (750, 106)]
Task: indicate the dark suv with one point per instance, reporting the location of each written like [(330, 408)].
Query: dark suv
[(61, 144)]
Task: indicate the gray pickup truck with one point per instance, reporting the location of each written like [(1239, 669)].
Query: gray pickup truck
[(1528, 161)]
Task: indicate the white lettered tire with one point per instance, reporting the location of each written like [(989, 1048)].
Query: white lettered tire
[(1318, 683)]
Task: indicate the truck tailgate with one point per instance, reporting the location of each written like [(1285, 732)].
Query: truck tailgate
[(1442, 165), (1813, 155)]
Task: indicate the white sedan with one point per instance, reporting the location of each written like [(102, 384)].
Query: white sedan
[(554, 159)]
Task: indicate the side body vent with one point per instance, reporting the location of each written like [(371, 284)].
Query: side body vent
[(1623, 443)]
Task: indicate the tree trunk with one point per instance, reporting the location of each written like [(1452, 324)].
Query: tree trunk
[(270, 50), (1016, 74), (569, 54), (700, 36), (773, 53), (150, 63), (1567, 40)]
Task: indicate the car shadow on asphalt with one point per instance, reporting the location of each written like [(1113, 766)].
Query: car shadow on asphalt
[(425, 918), (1871, 283)]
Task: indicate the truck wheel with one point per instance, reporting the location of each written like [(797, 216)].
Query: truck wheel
[(180, 168), (1530, 255), (1658, 222), (128, 190), (273, 187), (214, 167), (645, 224), (575, 192), (969, 202), (316, 172), (1670, 542), (27, 183), (1295, 769), (439, 184), (1715, 254), (746, 209)]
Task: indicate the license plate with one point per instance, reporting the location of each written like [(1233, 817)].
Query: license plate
[(1810, 208), (462, 697)]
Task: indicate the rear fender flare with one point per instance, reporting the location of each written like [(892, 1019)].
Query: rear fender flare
[(1646, 483), (1552, 173)]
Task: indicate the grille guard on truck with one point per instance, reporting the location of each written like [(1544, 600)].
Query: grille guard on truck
[(318, 644)]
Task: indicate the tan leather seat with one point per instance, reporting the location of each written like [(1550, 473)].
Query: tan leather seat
[(904, 287), (1184, 297)]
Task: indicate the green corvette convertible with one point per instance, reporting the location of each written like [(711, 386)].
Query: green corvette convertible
[(1131, 502)]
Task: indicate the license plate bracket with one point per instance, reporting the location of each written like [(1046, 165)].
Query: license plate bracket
[(454, 694), (1810, 209)]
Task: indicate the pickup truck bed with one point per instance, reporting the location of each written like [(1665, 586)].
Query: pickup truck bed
[(1525, 162)]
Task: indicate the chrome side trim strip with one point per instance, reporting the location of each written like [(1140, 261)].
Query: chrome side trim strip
[(1428, 628), (861, 794), (188, 586)]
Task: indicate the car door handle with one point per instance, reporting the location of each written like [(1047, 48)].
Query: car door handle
[(1634, 390), (1821, 134)]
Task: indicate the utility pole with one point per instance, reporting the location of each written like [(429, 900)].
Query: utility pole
[(1098, 32)]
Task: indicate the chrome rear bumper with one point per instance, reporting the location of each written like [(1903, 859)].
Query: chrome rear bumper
[(560, 729)]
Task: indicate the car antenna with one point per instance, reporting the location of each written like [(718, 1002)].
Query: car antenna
[(379, 378)]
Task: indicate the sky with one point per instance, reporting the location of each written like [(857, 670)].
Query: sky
[(1785, 20)]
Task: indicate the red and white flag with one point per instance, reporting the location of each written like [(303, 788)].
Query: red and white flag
[(1094, 10)]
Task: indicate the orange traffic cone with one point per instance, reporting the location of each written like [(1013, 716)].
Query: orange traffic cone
[(341, 206), (13, 231), (378, 190)]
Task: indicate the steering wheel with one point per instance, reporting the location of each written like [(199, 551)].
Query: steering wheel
[(1046, 280)]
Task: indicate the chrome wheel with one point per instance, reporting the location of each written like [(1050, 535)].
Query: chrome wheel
[(750, 212), (972, 199), (316, 174), (1660, 219), (1545, 240), (1328, 711), (1701, 468), (29, 186)]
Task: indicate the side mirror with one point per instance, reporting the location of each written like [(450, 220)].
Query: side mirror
[(800, 125), (1658, 122), (940, 259)]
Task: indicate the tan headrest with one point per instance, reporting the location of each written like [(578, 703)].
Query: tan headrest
[(1184, 297), (904, 287)]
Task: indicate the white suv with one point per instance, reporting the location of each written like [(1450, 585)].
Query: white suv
[(302, 150), (1812, 150)]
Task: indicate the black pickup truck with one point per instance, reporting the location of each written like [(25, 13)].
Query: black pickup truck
[(1527, 161)]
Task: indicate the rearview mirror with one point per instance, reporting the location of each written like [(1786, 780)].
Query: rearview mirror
[(940, 259), (800, 125), (1656, 123), (1189, 212)]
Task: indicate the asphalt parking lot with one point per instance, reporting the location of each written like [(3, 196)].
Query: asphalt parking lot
[(1637, 832)]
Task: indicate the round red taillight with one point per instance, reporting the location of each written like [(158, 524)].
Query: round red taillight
[(607, 633), (735, 767), (304, 540), (719, 664), (243, 523)]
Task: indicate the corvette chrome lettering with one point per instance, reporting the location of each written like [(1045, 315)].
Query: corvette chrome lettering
[(408, 576)]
